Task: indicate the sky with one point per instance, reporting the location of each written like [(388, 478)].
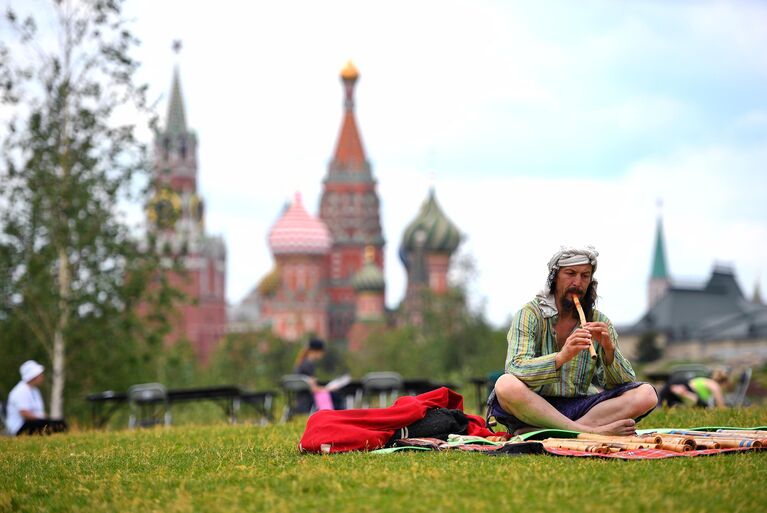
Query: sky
[(537, 123)]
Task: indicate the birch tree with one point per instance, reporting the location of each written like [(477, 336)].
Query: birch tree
[(68, 261)]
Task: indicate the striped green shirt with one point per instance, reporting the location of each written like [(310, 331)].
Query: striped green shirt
[(531, 357)]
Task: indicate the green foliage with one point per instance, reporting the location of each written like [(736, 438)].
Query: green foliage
[(451, 342), (15, 348), (72, 274), (177, 365), (245, 468), (253, 360)]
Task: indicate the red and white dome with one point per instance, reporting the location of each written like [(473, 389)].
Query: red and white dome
[(299, 233)]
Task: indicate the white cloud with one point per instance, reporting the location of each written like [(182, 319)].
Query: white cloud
[(631, 116), (756, 118), (460, 89), (515, 224), (738, 28)]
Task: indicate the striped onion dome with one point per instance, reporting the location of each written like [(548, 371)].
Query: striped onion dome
[(370, 277), (431, 230), (299, 233)]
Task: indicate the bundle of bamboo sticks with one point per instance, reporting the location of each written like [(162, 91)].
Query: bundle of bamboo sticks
[(602, 444), (675, 440), (724, 438)]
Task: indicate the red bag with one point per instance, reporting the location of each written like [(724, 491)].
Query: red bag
[(369, 429)]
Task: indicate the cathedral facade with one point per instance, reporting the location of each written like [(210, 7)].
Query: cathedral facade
[(328, 278)]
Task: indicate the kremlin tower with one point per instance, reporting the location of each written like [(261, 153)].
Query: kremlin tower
[(176, 221)]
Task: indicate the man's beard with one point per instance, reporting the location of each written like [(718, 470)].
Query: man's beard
[(568, 306)]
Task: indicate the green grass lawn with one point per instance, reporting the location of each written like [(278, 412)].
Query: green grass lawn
[(251, 468)]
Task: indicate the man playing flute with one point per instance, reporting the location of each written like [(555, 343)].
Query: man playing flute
[(548, 366)]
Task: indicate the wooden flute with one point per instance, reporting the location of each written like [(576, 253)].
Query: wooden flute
[(577, 302)]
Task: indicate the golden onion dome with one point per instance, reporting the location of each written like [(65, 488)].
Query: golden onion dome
[(269, 284), (350, 71)]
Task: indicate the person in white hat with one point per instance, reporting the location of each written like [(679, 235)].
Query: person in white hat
[(26, 409)]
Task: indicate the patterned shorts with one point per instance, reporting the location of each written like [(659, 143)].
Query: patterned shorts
[(571, 407)]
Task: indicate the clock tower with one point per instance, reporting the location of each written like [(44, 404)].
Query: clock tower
[(176, 219)]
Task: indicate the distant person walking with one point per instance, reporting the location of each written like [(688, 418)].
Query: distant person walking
[(26, 409)]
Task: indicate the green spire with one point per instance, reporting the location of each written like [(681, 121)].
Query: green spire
[(659, 259), (176, 122)]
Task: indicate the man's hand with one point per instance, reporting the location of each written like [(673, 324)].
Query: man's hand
[(575, 343), (601, 332)]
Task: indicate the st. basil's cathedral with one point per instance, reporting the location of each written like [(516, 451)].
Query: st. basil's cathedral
[(327, 279)]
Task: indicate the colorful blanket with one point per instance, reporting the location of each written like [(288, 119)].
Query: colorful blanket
[(647, 444), (644, 454)]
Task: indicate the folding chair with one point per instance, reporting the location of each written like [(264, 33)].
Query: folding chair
[(262, 402), (148, 405), (385, 385), (298, 395)]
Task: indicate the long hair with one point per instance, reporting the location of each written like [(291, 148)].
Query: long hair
[(301, 356), (589, 299)]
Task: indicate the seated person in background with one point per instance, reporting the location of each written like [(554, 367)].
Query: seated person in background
[(548, 366), (306, 365), (699, 391), (26, 410)]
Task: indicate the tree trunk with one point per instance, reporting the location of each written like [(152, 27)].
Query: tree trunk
[(64, 146), (57, 388)]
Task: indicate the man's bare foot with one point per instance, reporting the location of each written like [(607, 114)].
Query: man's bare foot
[(623, 427)]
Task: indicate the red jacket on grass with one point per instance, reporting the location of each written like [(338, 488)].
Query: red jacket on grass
[(369, 429)]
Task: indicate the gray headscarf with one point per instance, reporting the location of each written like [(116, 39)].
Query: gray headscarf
[(566, 256)]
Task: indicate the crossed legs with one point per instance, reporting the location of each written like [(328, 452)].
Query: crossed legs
[(613, 416)]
